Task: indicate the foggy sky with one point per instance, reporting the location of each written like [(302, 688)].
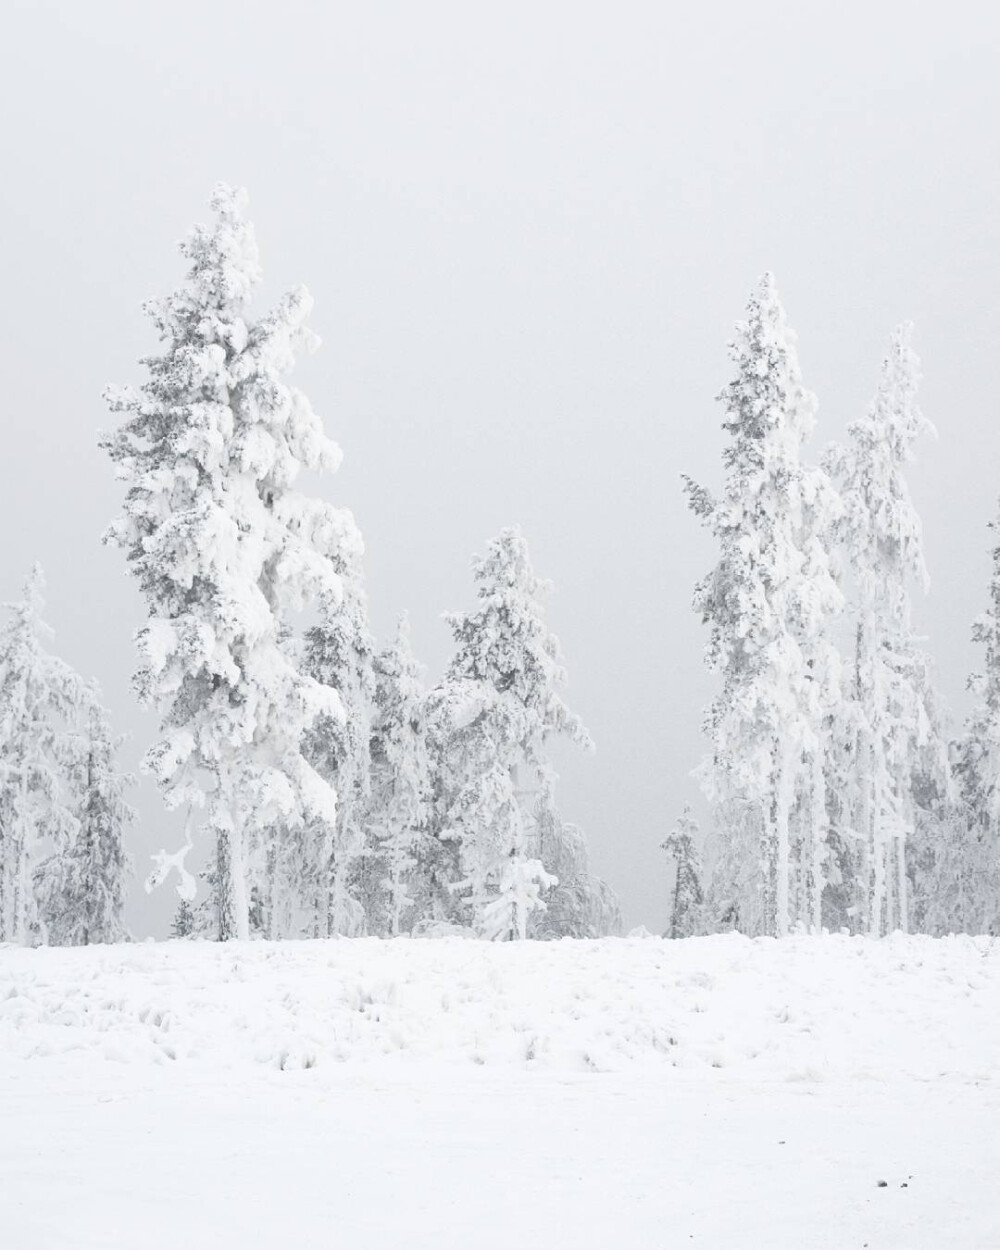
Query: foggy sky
[(528, 230)]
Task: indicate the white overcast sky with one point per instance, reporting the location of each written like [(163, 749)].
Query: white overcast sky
[(528, 229)]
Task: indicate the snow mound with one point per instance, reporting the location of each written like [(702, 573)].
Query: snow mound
[(723, 1008)]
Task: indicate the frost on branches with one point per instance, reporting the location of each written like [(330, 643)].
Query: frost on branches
[(82, 887), (978, 764), (63, 873), (580, 904), (39, 695), (768, 602), (224, 547), (498, 706), (962, 865), (887, 721), (339, 653), (681, 844), (399, 810)]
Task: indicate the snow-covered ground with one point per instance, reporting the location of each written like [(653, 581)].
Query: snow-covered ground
[(616, 1095)]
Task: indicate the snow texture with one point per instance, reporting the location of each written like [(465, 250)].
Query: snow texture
[(722, 1092)]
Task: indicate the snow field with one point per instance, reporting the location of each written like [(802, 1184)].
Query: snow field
[(722, 1093), (725, 1007)]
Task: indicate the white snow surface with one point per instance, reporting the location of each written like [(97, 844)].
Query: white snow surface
[(715, 1092)]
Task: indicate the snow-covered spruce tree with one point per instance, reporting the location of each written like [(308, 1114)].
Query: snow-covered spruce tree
[(580, 904), (977, 766), (40, 697), (501, 704), (974, 845), (183, 925), (681, 843), (339, 653), (768, 601), (81, 888), (954, 871), (224, 547), (399, 807), (886, 717)]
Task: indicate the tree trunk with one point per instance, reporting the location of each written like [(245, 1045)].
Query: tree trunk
[(231, 886)]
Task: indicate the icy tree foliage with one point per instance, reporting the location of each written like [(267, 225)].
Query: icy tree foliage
[(39, 700), (978, 765), (681, 843), (224, 547), (965, 882), (339, 654), (183, 924), (399, 808), (82, 887), (887, 718), (500, 703), (768, 601), (580, 904), (63, 870)]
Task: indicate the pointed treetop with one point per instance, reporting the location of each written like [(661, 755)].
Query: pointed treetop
[(28, 609), (767, 394), (507, 562), (893, 415), (881, 524), (34, 588), (681, 837), (225, 261)]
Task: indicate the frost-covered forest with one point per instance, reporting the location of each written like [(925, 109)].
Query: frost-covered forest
[(327, 788), (499, 626)]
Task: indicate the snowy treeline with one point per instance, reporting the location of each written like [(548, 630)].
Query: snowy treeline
[(330, 791), (326, 789), (837, 799)]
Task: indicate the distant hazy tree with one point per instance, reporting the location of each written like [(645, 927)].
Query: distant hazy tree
[(184, 921), (82, 886), (399, 808), (339, 654), (967, 862), (977, 767), (681, 843), (40, 698), (501, 704), (886, 709), (768, 601), (580, 904), (224, 547)]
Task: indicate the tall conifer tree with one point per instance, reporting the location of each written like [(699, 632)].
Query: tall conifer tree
[(224, 546), (339, 653), (768, 602), (399, 809), (502, 704), (82, 887), (888, 692), (688, 896)]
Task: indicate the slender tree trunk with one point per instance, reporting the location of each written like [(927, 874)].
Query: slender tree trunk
[(233, 906), (877, 900), (5, 884), (901, 884), (395, 887), (21, 883), (864, 886), (782, 812), (817, 843), (224, 906), (889, 845)]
